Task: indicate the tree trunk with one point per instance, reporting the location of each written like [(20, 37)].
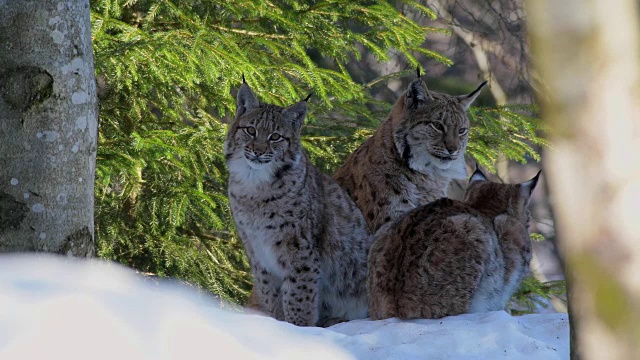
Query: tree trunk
[(587, 53), (48, 127)]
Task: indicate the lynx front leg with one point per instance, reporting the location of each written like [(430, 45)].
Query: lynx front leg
[(301, 290), (253, 302), (266, 288)]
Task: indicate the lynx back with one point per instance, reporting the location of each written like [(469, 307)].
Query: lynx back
[(452, 257)]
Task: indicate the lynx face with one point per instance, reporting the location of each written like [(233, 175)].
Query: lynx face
[(433, 129), (263, 139), (436, 135)]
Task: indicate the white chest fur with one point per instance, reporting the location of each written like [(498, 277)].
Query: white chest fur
[(424, 162), (249, 175), (259, 239)]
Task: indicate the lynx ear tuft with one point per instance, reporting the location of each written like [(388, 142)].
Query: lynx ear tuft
[(246, 99), (528, 186), (417, 94), (308, 97), (467, 100), (477, 175), (418, 71)]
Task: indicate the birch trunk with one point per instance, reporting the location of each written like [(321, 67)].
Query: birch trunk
[(587, 53), (48, 127)]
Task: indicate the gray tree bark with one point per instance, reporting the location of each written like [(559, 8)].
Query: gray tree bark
[(588, 54), (48, 127)]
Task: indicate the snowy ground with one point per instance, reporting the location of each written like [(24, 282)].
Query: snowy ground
[(57, 308)]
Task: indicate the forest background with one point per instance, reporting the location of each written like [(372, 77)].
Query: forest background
[(167, 73)]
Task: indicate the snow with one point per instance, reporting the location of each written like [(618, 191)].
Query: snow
[(56, 307)]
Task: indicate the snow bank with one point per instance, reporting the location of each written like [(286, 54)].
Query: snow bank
[(53, 308), (472, 336)]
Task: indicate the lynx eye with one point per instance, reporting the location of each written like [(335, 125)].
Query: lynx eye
[(275, 137), (463, 131), (437, 127), (250, 130)]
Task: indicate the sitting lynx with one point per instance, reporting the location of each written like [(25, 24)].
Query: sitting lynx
[(412, 157), (451, 257), (306, 240)]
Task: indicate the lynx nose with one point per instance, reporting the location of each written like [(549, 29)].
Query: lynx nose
[(451, 145), (258, 149)]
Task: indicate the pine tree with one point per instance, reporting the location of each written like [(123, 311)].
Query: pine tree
[(168, 70)]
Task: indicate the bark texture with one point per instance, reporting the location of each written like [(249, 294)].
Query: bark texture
[(587, 53), (48, 127)]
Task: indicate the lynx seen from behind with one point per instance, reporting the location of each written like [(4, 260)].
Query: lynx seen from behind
[(452, 257), (412, 157), (305, 239)]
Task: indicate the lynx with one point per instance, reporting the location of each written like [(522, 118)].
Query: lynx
[(452, 257), (306, 240), (412, 157)]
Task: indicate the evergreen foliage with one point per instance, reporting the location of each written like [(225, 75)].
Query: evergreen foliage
[(167, 71), (510, 130), (533, 295)]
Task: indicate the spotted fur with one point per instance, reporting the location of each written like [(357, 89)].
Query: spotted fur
[(412, 157), (306, 240), (452, 257)]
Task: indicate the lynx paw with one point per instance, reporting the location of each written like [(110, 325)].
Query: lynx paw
[(333, 321)]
